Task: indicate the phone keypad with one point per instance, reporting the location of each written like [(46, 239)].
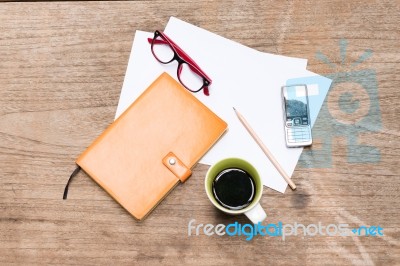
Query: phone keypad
[(298, 134)]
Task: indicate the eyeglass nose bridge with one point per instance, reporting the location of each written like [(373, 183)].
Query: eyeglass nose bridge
[(178, 59)]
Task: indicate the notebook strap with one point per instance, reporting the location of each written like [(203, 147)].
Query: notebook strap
[(74, 173), (177, 167)]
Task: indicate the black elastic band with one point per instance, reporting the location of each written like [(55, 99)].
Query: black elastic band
[(77, 169)]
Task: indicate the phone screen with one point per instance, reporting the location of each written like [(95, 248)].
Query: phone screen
[(296, 105)]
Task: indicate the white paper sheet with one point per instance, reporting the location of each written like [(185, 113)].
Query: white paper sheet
[(243, 78)]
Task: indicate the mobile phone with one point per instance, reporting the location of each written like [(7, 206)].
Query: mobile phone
[(296, 116)]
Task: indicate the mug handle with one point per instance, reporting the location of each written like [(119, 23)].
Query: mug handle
[(256, 214)]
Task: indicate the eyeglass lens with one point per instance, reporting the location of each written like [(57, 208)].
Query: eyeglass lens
[(190, 79), (162, 50)]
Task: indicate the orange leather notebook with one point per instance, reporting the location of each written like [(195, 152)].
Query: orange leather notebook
[(152, 146)]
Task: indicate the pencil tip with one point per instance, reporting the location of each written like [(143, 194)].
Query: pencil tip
[(234, 108)]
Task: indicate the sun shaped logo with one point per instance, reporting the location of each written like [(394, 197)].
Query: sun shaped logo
[(351, 108), (349, 100)]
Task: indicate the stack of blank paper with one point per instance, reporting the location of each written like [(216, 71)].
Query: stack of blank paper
[(243, 78)]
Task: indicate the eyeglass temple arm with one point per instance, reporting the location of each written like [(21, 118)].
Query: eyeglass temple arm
[(184, 55)]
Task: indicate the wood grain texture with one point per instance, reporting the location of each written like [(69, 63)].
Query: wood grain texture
[(62, 66)]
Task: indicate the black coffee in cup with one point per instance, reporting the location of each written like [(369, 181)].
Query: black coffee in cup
[(233, 189)]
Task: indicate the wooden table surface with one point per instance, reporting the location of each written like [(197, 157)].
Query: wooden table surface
[(62, 66)]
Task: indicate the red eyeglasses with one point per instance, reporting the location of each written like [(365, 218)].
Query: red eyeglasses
[(189, 73)]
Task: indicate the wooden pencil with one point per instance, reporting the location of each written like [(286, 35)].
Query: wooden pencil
[(265, 150)]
